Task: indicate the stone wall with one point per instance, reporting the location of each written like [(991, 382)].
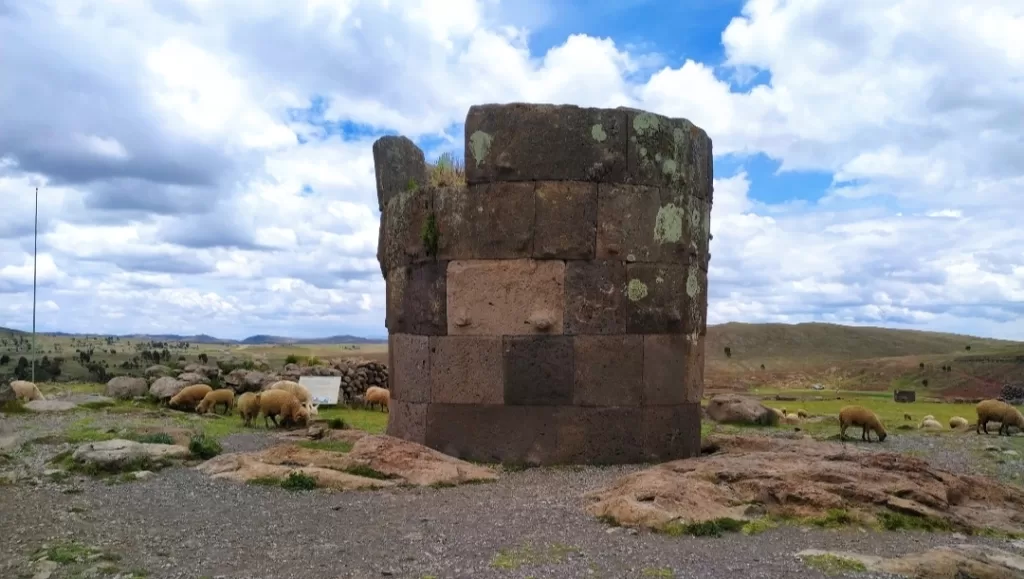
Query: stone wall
[(553, 309)]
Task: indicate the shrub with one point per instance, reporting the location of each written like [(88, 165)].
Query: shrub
[(154, 438), (291, 359), (203, 446), (298, 481), (337, 423)]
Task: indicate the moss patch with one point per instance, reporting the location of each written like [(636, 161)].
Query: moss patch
[(328, 445), (893, 521), (833, 564), (710, 528), (511, 559)]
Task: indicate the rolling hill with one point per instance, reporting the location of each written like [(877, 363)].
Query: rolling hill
[(260, 339)]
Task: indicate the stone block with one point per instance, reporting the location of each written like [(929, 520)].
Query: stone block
[(671, 432), (489, 221), (609, 370), (542, 142), (566, 220), (538, 370), (399, 166), (595, 300), (505, 297), (493, 433), (416, 299), (696, 303), (665, 369), (410, 367), (404, 218), (640, 223), (655, 298), (600, 435), (407, 420), (668, 152), (694, 385), (467, 370)]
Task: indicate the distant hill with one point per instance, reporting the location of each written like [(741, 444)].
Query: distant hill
[(260, 339)]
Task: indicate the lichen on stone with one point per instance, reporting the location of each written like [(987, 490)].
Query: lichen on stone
[(636, 290), (598, 134), (693, 281), (480, 145), (668, 225)]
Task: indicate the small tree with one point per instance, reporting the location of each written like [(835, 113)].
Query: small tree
[(728, 352), (4, 360), (762, 366), (925, 382), (204, 358), (921, 365), (968, 347)]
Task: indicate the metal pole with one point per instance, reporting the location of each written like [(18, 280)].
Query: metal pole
[(35, 251)]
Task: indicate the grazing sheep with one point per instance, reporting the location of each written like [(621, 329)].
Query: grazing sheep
[(276, 402), (314, 409), (791, 419), (1011, 417), (802, 413), (358, 402), (928, 417), (248, 407), (862, 417), (378, 395), (778, 413), (26, 391), (189, 397), (301, 393), (930, 424), (907, 417), (958, 422), (225, 396), (990, 410)]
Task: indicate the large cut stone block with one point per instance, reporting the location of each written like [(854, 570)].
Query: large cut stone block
[(410, 367), (399, 166), (668, 152), (595, 300), (489, 221), (696, 308), (609, 370), (407, 420), (505, 297), (539, 142), (566, 220), (467, 370), (671, 432), (538, 370), (665, 376), (403, 221), (694, 367), (600, 435), (498, 433), (416, 299), (639, 223), (655, 298)]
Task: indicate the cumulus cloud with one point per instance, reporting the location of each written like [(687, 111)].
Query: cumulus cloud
[(206, 166)]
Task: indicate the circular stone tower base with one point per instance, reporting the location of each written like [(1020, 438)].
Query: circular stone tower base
[(553, 308)]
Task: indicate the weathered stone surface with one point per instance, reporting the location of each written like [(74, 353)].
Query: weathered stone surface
[(541, 142), (664, 374), (694, 371), (399, 166), (467, 370), (696, 302), (626, 215), (655, 298), (126, 387), (115, 455), (52, 405), (505, 297), (416, 299), (737, 409), (668, 152), (595, 300), (671, 432), (493, 433), (164, 388), (487, 221), (407, 420), (600, 435), (566, 220), (538, 370), (6, 393), (609, 370), (403, 221), (410, 367)]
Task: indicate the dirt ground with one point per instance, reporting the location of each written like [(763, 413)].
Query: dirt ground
[(179, 523)]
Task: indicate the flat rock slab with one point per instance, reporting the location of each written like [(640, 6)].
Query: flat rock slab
[(804, 478), (88, 399), (403, 461), (112, 455), (963, 560), (50, 406)]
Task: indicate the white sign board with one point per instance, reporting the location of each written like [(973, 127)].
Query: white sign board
[(323, 389)]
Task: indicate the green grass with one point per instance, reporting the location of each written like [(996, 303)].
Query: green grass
[(709, 528), (13, 407), (664, 572), (151, 438), (298, 481), (758, 526), (204, 446), (893, 521), (512, 559), (832, 519), (367, 472), (833, 564), (374, 422), (328, 445)]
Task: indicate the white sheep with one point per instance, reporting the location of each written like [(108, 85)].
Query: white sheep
[(930, 424), (26, 391)]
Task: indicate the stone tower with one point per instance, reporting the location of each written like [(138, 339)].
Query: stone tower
[(552, 309)]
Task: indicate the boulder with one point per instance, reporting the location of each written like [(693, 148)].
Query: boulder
[(126, 387), (241, 380), (736, 409), (119, 455), (50, 405), (946, 562), (165, 388), (157, 370), (6, 393), (192, 378)]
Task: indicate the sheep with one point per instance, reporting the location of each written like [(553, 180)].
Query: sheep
[(791, 419), (958, 422), (930, 424), (276, 402), (214, 398), (301, 393), (862, 417), (802, 413), (928, 417), (189, 397), (778, 413), (26, 391), (248, 407), (908, 417), (378, 395), (990, 410), (1011, 417)]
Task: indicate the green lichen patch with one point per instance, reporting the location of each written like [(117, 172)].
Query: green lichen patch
[(692, 281), (598, 134), (480, 146), (668, 224), (636, 290)]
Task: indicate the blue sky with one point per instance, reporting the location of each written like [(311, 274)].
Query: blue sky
[(226, 185)]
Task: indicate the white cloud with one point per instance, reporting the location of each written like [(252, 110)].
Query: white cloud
[(176, 196)]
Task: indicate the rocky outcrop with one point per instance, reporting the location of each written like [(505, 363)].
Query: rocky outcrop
[(736, 409), (165, 388), (120, 455), (126, 387), (947, 562)]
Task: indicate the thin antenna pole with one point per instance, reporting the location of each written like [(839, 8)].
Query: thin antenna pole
[(35, 251)]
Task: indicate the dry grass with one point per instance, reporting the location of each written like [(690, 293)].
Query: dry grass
[(447, 171)]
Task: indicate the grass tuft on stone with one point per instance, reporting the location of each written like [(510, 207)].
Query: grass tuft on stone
[(833, 564), (710, 528), (204, 446)]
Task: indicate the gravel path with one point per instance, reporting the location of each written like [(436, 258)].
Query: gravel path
[(181, 524)]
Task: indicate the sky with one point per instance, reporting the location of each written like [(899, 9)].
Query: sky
[(205, 166)]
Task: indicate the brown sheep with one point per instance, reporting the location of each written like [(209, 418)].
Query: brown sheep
[(802, 413), (26, 391), (1011, 417), (378, 395), (248, 407), (274, 403), (225, 396), (189, 397), (907, 416), (990, 410), (300, 392), (862, 417)]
